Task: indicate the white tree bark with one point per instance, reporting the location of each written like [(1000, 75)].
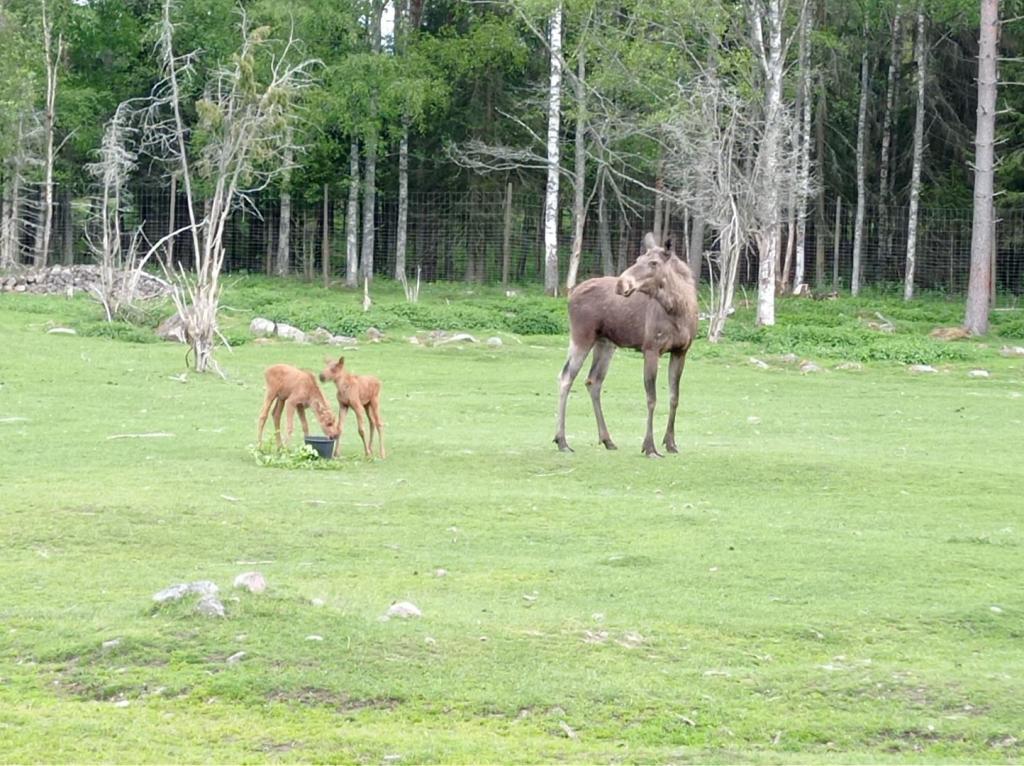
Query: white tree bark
[(352, 218), (884, 175), (370, 155), (982, 242), (53, 59), (773, 64), (284, 229), (862, 191), (604, 234), (7, 225), (921, 54), (553, 159), (403, 202), (803, 189), (579, 181)]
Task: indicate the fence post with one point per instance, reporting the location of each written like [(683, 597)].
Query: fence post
[(835, 243), (506, 239)]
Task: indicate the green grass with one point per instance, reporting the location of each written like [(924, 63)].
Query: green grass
[(811, 580)]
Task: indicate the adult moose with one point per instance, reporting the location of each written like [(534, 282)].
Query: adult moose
[(651, 307)]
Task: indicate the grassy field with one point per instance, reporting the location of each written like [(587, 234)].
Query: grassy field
[(830, 572)]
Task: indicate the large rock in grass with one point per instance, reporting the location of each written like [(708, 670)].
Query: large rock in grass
[(254, 582), (291, 333), (179, 591), (262, 328)]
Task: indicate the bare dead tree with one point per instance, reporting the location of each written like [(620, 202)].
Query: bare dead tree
[(243, 115), (553, 154), (713, 141)]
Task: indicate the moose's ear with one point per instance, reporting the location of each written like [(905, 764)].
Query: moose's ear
[(341, 361), (668, 244), (649, 242)]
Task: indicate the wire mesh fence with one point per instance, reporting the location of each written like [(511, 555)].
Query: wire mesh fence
[(495, 237)]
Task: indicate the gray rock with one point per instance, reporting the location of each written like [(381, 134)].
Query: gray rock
[(809, 367), (319, 335), (1012, 351), (61, 331), (789, 358), (112, 643), (978, 374), (254, 582), (459, 337), (404, 610), (210, 606), (261, 327), (761, 365), (235, 658), (173, 329), (849, 366), (374, 335), (179, 591), (494, 342), (291, 333), (342, 340), (923, 368)]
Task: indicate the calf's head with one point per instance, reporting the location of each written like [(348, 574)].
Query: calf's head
[(647, 274), (334, 370)]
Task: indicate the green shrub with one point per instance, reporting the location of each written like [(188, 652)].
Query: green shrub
[(117, 331)]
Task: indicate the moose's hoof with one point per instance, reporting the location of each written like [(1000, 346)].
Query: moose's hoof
[(650, 451), (563, 445), (672, 448), (608, 444)]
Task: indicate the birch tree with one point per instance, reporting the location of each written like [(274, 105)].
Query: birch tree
[(553, 154), (370, 151), (284, 227), (862, 190), (579, 177), (884, 173), (766, 19), (52, 57), (921, 56), (982, 244), (352, 218), (803, 186)]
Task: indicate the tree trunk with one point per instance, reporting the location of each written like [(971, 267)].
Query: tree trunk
[(551, 192), (804, 177), (403, 201), (268, 236), (6, 226), (67, 227), (862, 191), (352, 218), (976, 319), (695, 248), (506, 236), (604, 235), (284, 228), (579, 211), (921, 54), (370, 155), (884, 174), (768, 240), (53, 59), (819, 154)]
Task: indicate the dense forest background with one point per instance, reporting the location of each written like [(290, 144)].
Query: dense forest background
[(422, 142)]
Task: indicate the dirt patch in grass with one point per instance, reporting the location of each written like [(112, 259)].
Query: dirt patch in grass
[(340, 701)]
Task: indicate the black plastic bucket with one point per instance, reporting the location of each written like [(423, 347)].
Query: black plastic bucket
[(323, 445)]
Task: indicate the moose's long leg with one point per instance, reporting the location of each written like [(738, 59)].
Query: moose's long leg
[(262, 420), (577, 354), (374, 415), (302, 419), (342, 412), (358, 407), (603, 351), (289, 413), (278, 409), (675, 372), (651, 386)]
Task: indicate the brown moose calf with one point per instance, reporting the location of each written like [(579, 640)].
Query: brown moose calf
[(362, 394), (290, 389)]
